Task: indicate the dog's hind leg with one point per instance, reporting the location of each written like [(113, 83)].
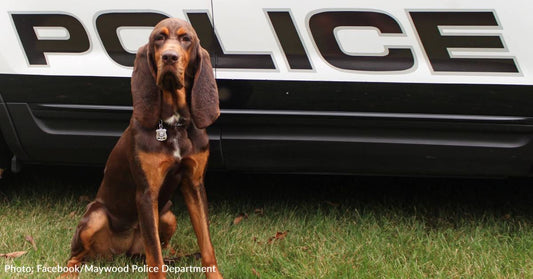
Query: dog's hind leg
[(91, 238), (167, 225)]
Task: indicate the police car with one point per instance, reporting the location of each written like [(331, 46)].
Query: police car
[(358, 87)]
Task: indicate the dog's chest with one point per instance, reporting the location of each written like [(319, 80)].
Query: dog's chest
[(174, 142), (177, 142)]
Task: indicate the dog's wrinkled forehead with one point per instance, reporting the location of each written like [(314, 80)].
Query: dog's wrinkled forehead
[(172, 26)]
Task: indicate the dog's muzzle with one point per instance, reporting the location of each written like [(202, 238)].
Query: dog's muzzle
[(169, 75)]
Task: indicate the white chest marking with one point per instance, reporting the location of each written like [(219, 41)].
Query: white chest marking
[(173, 119), (177, 153)]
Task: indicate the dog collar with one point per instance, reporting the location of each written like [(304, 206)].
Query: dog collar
[(161, 132)]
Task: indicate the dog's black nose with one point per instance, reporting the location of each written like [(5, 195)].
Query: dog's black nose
[(170, 57)]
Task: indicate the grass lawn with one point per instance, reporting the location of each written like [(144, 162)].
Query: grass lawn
[(298, 226)]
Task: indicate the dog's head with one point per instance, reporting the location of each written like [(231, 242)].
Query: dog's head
[(173, 61)]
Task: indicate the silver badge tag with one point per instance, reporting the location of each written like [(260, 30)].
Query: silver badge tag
[(161, 133)]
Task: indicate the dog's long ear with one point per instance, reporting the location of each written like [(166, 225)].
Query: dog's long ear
[(144, 90), (204, 93)]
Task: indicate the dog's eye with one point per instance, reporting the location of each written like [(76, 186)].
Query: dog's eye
[(159, 37), (186, 38)]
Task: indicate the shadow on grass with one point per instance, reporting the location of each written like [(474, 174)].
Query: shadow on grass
[(429, 198)]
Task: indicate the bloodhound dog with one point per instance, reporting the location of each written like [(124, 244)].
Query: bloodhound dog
[(175, 98)]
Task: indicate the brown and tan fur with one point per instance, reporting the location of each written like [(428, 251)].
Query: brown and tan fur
[(172, 80)]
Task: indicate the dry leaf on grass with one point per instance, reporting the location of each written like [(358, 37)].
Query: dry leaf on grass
[(278, 236), (13, 254), (239, 218), (256, 273), (259, 211), (30, 239), (72, 214)]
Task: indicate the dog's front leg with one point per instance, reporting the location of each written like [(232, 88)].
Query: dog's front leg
[(148, 214), (150, 176), (195, 198)]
